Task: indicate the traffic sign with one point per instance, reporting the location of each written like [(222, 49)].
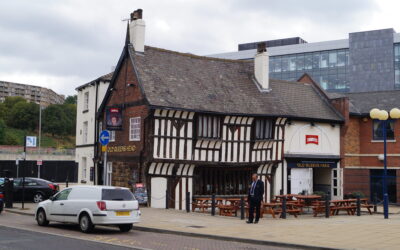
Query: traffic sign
[(30, 141), (104, 137)]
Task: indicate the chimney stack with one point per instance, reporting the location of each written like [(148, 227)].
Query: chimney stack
[(137, 30), (261, 66)]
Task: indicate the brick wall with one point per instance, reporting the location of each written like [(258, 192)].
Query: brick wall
[(127, 95), (356, 180)]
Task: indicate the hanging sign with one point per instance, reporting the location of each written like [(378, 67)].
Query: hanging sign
[(114, 118)]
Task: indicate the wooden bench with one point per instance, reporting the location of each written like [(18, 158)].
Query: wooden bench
[(201, 204), (364, 204), (318, 208), (292, 211), (227, 210), (350, 209)]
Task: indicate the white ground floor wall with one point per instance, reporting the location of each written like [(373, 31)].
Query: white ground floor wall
[(84, 158)]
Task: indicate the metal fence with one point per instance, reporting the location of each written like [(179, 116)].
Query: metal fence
[(56, 171)]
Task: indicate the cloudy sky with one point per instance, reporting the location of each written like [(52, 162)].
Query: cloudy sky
[(65, 43)]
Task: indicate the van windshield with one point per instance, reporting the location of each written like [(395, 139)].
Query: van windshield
[(117, 195)]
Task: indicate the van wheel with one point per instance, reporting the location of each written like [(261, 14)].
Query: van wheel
[(85, 223), (41, 218), (125, 227)]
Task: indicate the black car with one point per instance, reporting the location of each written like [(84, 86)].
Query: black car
[(36, 189)]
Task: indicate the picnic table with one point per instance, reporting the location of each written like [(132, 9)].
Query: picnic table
[(289, 197), (201, 203), (345, 205), (348, 205)]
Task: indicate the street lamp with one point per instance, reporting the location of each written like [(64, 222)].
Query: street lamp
[(383, 116)]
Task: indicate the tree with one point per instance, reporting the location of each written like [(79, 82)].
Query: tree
[(24, 115), (71, 99)]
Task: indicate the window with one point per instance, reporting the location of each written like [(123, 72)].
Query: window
[(208, 126), (84, 167), (112, 135), (134, 129), (378, 130), (109, 174), (100, 128), (86, 101), (63, 195), (117, 195), (263, 129), (85, 133)]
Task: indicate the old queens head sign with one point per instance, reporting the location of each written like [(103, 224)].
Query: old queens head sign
[(121, 149)]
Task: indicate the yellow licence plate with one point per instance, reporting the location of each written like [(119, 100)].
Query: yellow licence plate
[(122, 213)]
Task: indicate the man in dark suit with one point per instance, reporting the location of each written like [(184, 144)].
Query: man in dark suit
[(256, 192)]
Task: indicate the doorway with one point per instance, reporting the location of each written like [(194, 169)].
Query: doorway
[(376, 184)]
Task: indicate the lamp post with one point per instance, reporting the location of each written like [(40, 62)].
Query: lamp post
[(383, 116)]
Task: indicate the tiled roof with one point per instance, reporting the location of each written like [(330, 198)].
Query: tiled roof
[(106, 77), (184, 81), (362, 103)]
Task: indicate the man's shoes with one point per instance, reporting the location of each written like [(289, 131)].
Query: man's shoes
[(249, 222), (256, 222)]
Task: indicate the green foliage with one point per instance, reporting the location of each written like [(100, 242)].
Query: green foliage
[(71, 99), (59, 119), (24, 115), (10, 101), (2, 131)]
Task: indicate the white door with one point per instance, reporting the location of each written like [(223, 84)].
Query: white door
[(301, 179), (56, 208), (336, 189)]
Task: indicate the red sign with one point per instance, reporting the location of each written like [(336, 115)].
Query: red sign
[(139, 185), (39, 162), (312, 139)]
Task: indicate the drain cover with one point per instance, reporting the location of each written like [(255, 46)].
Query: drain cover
[(193, 226)]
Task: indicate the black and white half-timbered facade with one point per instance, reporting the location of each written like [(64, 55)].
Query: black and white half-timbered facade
[(197, 124)]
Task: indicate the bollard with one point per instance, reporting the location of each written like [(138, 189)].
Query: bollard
[(242, 208), (327, 207), (213, 204), (187, 202), (358, 206), (375, 201), (386, 206), (166, 199), (66, 183), (284, 207)]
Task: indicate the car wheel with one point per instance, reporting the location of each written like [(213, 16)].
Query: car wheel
[(125, 227), (41, 218), (85, 224), (38, 197)]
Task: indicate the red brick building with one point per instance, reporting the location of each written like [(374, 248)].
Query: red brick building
[(363, 146)]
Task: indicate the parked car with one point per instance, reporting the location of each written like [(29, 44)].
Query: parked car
[(36, 189), (141, 195), (1, 195), (89, 206)]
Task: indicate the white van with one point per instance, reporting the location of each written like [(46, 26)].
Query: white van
[(89, 206)]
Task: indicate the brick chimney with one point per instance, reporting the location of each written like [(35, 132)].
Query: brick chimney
[(261, 67), (137, 30)]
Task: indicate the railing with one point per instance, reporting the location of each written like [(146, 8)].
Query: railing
[(35, 151)]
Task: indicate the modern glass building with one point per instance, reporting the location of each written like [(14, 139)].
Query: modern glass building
[(366, 61)]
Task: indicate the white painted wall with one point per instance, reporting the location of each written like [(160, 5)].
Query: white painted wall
[(89, 117), (158, 188), (295, 136)]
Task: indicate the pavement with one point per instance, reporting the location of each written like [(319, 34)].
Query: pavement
[(306, 231)]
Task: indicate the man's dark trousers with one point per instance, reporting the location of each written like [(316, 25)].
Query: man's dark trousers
[(254, 204)]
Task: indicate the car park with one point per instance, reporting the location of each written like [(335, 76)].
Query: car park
[(88, 206), (36, 189)]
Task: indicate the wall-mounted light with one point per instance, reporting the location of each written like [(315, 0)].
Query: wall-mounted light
[(312, 124), (111, 89), (130, 85), (333, 125)]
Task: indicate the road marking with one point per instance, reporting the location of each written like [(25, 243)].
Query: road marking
[(75, 237)]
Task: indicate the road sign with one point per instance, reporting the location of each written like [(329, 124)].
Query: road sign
[(104, 137), (39, 162), (31, 141)]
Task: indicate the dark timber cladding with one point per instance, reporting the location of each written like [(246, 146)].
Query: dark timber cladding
[(204, 124)]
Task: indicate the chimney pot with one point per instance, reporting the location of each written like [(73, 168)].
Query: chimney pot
[(261, 47), (137, 14)]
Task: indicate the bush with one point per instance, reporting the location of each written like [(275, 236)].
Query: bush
[(354, 195), (10, 139), (320, 193)]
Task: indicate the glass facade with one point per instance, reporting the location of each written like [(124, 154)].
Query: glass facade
[(397, 65), (328, 68)]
